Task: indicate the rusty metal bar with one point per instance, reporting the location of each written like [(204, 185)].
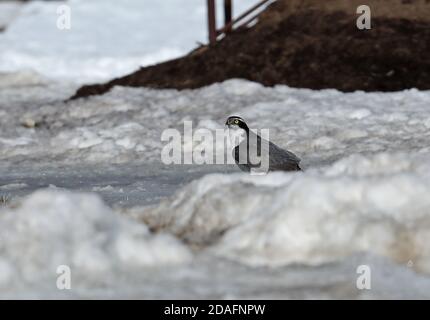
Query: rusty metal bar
[(212, 21), (228, 14), (241, 17), (248, 21)]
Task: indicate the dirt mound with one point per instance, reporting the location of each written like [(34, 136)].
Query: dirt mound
[(308, 45)]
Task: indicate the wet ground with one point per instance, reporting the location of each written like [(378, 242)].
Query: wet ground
[(118, 185)]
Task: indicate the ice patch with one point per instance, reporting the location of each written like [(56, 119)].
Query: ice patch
[(427, 123), (15, 142), (13, 186), (21, 79), (105, 188), (324, 143), (360, 114)]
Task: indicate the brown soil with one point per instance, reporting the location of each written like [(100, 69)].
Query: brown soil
[(307, 44)]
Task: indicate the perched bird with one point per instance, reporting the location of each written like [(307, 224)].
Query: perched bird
[(246, 143)]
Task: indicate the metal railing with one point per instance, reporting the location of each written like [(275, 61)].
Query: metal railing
[(229, 23)]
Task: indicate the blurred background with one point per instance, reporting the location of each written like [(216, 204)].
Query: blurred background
[(106, 39)]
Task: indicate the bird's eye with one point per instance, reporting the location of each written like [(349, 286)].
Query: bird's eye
[(236, 121)]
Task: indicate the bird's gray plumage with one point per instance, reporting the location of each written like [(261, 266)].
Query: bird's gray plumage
[(278, 159)]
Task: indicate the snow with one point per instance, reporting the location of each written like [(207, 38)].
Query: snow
[(126, 124), (126, 36), (82, 183), (374, 204), (362, 198), (8, 11), (54, 228)]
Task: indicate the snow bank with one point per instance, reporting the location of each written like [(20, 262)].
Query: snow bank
[(371, 210), (53, 228), (126, 124), (376, 204)]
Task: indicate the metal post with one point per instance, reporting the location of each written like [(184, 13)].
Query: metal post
[(228, 13), (212, 21), (243, 16)]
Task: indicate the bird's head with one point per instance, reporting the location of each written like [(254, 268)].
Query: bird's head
[(235, 122), (237, 130)]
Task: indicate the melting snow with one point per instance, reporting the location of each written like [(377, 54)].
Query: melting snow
[(363, 198)]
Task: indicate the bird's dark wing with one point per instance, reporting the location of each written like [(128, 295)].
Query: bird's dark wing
[(279, 159)]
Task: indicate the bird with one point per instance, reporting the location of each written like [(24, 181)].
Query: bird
[(246, 142)]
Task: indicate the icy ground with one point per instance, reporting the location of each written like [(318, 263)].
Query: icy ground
[(131, 227)]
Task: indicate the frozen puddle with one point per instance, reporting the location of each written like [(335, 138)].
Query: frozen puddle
[(118, 185)]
